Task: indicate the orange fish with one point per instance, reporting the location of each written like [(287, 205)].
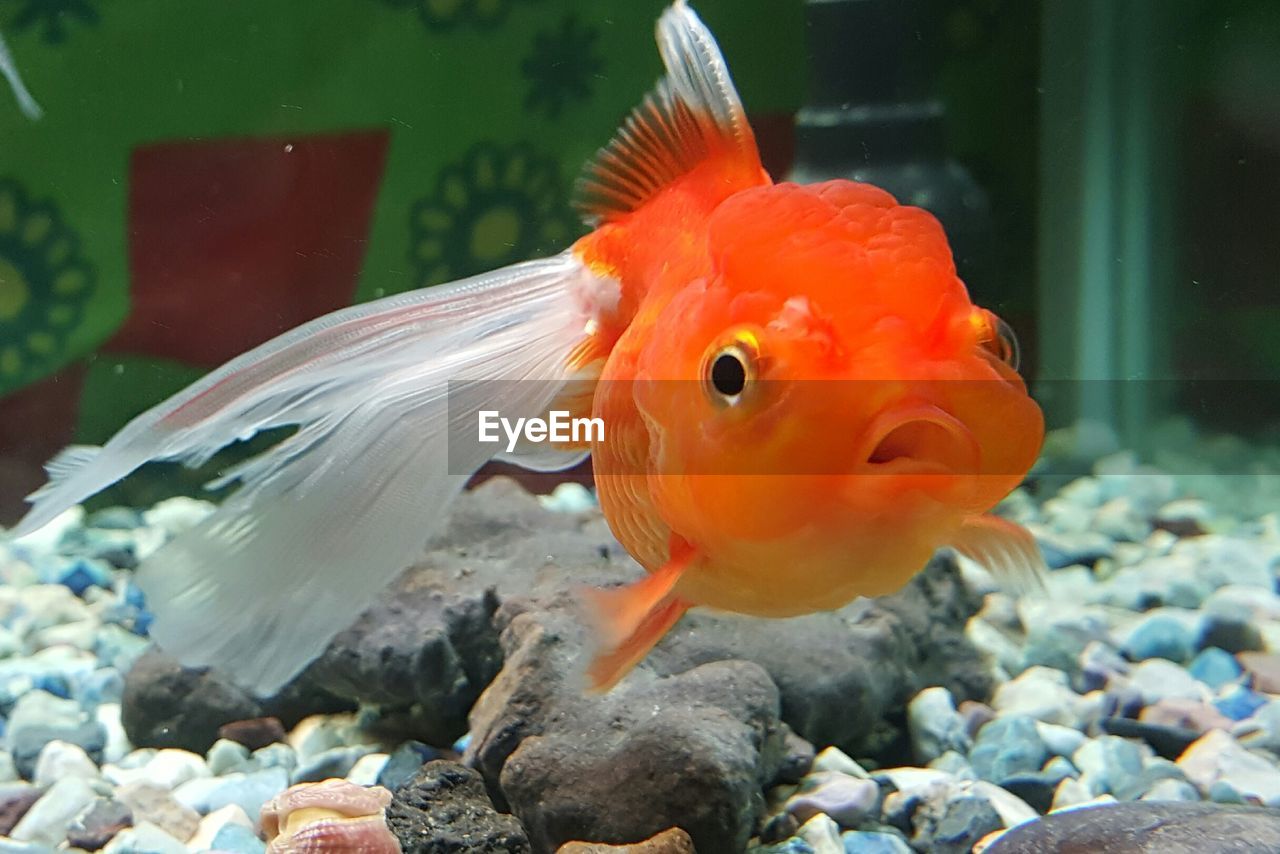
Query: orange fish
[(800, 404)]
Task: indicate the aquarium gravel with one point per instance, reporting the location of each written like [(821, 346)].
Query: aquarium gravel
[(1150, 672)]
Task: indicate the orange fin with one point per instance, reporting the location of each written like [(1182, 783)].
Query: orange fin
[(630, 620), (693, 115), (1006, 549)]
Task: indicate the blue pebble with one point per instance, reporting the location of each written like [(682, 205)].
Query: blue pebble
[(1215, 667), (871, 842), (1007, 747), (1240, 703), (55, 683), (238, 839), (1159, 636), (142, 624), (1223, 792), (82, 573), (461, 744), (404, 762), (134, 596)]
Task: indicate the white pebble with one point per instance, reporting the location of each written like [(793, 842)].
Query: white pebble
[(367, 768), (822, 834), (48, 817), (59, 760), (835, 759), (215, 821), (144, 836)]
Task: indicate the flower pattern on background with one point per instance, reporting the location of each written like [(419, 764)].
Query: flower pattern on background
[(44, 282), (495, 207), (447, 14), (52, 16), (561, 66)]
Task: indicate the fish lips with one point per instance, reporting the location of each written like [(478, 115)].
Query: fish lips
[(917, 437)]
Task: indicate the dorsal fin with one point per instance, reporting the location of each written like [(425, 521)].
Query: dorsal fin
[(693, 114)]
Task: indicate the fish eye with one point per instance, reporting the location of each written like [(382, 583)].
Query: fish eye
[(1005, 345), (729, 370), (997, 338)]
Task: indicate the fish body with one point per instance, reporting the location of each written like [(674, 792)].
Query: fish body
[(800, 401)]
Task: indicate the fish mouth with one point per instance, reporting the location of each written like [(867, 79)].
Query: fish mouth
[(919, 439)]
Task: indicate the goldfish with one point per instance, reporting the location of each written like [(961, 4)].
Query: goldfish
[(801, 405)]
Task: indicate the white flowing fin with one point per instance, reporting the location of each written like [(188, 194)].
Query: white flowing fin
[(325, 519), (9, 71)]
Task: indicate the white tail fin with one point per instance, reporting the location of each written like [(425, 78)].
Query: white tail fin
[(326, 518), (9, 71)]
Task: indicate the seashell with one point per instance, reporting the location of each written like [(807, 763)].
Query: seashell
[(333, 815)]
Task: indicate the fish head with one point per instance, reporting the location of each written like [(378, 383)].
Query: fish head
[(829, 379)]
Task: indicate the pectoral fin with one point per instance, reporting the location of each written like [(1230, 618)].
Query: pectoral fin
[(630, 620), (1006, 549)]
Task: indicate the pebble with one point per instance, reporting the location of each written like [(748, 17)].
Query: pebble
[(405, 761), (98, 823), (1263, 668), (1006, 747), (1060, 740), (1159, 679), (253, 733), (847, 800), (334, 762), (1159, 636), (873, 842), (1041, 693), (1239, 703), (934, 725), (58, 759), (1110, 764), (249, 791), (965, 821), (1171, 790), (226, 756), (38, 718), (831, 759), (144, 836), (368, 769), (209, 827), (235, 839), (1217, 757), (156, 804), (822, 834), (1215, 667), (168, 768), (48, 819)]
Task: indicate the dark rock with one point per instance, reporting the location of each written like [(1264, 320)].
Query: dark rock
[(965, 821), (429, 646), (691, 750), (1036, 789), (797, 760), (873, 656), (254, 733), (671, 841), (15, 800), (168, 705), (1230, 634), (1167, 741), (444, 810), (1147, 827), (781, 826), (99, 824)]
